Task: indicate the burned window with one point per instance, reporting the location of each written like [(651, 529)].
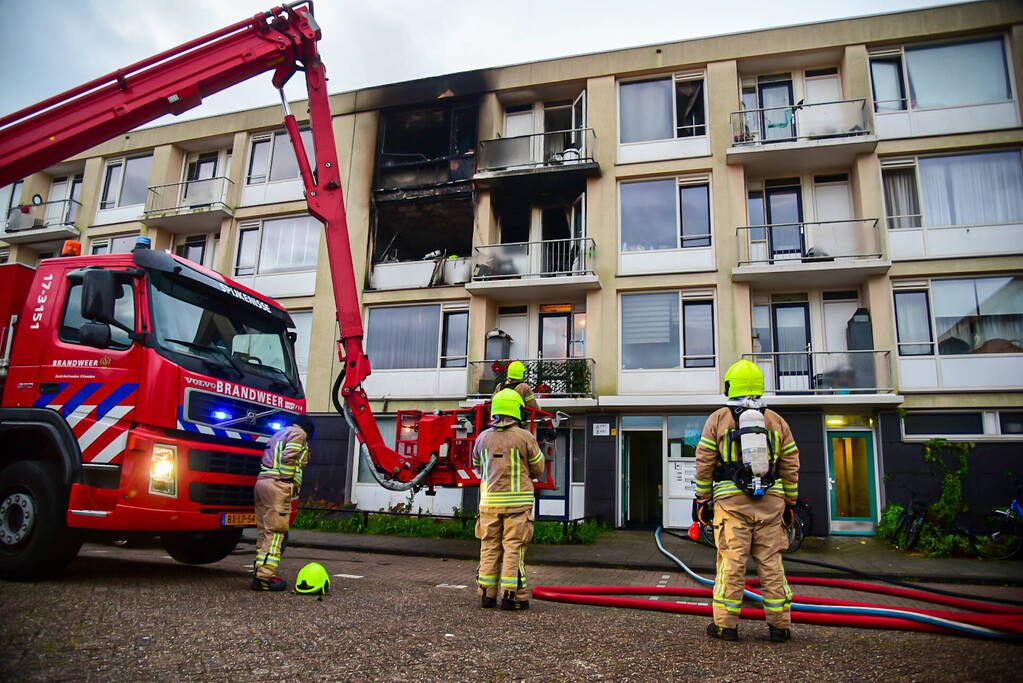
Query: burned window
[(427, 146), (412, 230)]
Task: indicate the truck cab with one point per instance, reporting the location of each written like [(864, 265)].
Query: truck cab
[(138, 393)]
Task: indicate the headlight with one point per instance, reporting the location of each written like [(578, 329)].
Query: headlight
[(163, 477)]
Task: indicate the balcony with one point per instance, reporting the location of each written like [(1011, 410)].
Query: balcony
[(189, 207), (563, 151), (812, 136), (523, 270), (832, 253), (827, 373), (49, 221), (556, 378)]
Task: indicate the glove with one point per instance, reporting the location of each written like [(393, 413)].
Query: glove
[(788, 518), (703, 512)]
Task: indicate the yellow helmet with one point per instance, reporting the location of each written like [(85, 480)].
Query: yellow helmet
[(516, 370), (507, 402), (312, 579), (744, 378)]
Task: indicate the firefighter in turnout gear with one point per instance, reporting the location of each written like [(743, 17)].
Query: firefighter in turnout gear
[(507, 458), (280, 477), (515, 379), (747, 463)]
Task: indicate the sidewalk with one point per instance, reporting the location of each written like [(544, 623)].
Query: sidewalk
[(638, 550)]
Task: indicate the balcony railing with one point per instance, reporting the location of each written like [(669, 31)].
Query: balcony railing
[(553, 149), (826, 372), (809, 242), (56, 214), (549, 377), (549, 258), (816, 121), (191, 195)]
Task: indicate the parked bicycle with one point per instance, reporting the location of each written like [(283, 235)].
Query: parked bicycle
[(911, 522), (796, 533), (999, 534)]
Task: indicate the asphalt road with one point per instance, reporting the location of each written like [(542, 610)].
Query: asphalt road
[(134, 614)]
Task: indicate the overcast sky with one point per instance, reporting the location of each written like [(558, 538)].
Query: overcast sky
[(49, 46)]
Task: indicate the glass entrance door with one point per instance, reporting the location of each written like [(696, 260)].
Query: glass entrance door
[(779, 122), (785, 214), (851, 483), (792, 342)]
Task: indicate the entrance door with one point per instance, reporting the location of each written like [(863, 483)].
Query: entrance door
[(785, 213), (555, 334), (778, 120), (518, 124), (792, 342), (200, 188), (642, 472), (554, 502), (851, 483), (578, 124)]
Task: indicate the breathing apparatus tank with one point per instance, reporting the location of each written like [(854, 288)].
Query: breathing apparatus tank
[(753, 444)]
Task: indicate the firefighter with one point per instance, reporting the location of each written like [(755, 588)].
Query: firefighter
[(507, 458), (280, 477), (515, 379), (747, 463)]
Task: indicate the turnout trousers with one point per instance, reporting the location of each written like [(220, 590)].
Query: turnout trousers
[(745, 528), (504, 537), (273, 517)]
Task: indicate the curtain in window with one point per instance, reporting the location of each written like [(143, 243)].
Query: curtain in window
[(972, 189), (403, 337), (900, 198), (979, 316), (646, 111), (958, 74), (289, 244), (648, 216), (650, 334), (913, 323), (689, 107)]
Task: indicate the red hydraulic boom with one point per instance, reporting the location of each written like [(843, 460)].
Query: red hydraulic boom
[(282, 40)]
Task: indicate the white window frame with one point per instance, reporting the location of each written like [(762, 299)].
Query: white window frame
[(257, 226), (5, 254), (989, 420), (680, 182), (107, 241), (271, 137), (696, 75), (211, 249), (122, 162), (683, 296), (443, 308)]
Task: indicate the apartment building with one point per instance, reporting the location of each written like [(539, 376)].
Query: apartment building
[(840, 202)]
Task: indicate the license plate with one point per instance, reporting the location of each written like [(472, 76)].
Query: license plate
[(238, 519)]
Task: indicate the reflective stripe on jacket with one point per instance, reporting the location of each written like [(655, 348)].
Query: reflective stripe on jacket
[(508, 459), (286, 455), (714, 449)]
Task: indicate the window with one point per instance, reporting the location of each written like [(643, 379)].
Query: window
[(948, 75), (653, 338), (124, 312), (272, 157), (664, 214), (118, 244), (1010, 422), (578, 456), (388, 425), (662, 109), (409, 337), (943, 423), (684, 433), (10, 197), (966, 189), (5, 255), (193, 248), (126, 182), (303, 330), (970, 316), (279, 245), (966, 425)]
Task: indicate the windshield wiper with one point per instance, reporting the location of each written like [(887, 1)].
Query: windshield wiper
[(235, 365)]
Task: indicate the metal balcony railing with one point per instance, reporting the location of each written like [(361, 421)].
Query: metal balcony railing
[(56, 214), (208, 193), (816, 121), (808, 242), (556, 148), (826, 372), (549, 258), (549, 377)]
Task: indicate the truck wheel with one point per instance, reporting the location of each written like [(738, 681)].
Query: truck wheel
[(201, 547), (35, 541)]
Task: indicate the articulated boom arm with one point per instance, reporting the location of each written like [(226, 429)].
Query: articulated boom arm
[(282, 40)]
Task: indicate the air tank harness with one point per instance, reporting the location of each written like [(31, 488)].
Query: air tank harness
[(983, 621)]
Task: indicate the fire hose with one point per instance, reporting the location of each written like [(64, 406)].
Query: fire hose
[(985, 620)]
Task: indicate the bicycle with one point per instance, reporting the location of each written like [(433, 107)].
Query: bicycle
[(999, 535), (911, 523)]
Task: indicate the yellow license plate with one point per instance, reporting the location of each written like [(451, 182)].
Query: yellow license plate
[(238, 519)]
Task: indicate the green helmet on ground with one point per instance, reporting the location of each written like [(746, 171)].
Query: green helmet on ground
[(507, 402), (516, 370), (313, 580), (744, 378)]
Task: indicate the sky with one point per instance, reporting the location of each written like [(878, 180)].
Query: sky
[(49, 46)]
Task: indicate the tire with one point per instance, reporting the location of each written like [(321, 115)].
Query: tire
[(998, 537), (35, 541), (796, 533), (913, 532), (200, 547)]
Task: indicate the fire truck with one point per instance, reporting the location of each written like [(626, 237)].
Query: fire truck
[(138, 389)]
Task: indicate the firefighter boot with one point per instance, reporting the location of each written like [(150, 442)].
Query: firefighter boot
[(722, 633), (487, 602), (273, 584), (509, 602), (779, 635)]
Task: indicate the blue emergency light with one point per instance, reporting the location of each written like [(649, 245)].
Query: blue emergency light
[(221, 415), (275, 426)]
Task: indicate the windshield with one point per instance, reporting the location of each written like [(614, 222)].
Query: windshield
[(194, 320)]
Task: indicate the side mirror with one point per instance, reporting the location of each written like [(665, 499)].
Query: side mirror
[(99, 291), (96, 335)]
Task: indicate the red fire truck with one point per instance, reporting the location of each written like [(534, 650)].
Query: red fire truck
[(138, 388)]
